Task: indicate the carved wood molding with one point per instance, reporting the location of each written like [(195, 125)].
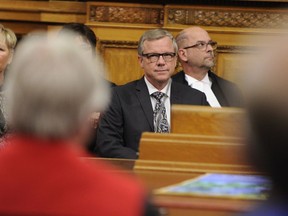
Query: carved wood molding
[(235, 49), (223, 17), (134, 44), (117, 44), (125, 13)]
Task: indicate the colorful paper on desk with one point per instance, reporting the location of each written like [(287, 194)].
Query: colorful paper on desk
[(222, 185)]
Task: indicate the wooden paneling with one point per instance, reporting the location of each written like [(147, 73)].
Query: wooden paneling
[(231, 66), (210, 121), (26, 16), (120, 25), (235, 29), (192, 149), (124, 54)]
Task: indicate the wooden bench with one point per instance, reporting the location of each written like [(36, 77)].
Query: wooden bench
[(192, 149), (200, 120)]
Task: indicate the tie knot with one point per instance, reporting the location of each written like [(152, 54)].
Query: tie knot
[(158, 95)]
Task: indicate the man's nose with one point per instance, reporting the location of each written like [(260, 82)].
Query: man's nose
[(161, 60), (209, 48)]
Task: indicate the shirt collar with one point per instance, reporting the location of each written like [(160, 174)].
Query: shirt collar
[(191, 80), (152, 89)]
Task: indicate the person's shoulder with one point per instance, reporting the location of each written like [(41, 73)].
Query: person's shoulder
[(127, 85), (185, 89), (111, 84), (221, 81), (178, 77), (126, 88), (114, 180), (128, 191)]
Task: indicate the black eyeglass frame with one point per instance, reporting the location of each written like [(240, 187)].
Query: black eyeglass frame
[(213, 44), (164, 55)]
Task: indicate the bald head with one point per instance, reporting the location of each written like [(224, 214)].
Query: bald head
[(192, 34), (195, 51)]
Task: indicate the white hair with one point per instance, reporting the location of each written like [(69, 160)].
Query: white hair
[(52, 86)]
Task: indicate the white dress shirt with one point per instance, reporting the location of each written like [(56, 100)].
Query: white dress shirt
[(204, 86), (165, 100)]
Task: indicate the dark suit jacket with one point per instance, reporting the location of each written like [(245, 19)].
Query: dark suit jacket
[(130, 113), (226, 92)]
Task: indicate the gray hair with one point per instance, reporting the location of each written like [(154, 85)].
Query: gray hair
[(52, 87), (155, 34), (9, 37)]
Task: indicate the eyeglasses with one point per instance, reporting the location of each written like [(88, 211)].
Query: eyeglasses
[(154, 57), (201, 45)]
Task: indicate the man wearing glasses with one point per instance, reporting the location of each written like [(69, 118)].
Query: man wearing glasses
[(196, 55), (144, 104)]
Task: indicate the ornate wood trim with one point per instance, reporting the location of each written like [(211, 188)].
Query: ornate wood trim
[(125, 13), (226, 17), (117, 44), (37, 6), (235, 49)]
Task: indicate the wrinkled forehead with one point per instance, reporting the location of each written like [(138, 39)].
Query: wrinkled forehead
[(159, 43)]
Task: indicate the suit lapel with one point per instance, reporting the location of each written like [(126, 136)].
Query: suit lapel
[(175, 97), (145, 101), (184, 81), (180, 77), (217, 90)]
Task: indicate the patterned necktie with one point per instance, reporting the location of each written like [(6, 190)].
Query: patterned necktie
[(159, 114)]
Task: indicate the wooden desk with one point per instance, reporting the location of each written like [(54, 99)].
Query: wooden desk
[(192, 148), (209, 121), (157, 174)]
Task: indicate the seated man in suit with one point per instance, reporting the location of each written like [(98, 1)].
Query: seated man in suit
[(144, 104), (49, 98), (196, 55)]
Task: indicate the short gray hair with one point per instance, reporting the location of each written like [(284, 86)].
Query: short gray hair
[(9, 37), (155, 34), (51, 87)]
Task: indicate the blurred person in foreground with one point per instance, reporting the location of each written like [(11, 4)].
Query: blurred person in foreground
[(267, 104), (51, 90), (8, 42)]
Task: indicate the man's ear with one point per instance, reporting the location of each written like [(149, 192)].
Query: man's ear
[(140, 60), (182, 55)]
